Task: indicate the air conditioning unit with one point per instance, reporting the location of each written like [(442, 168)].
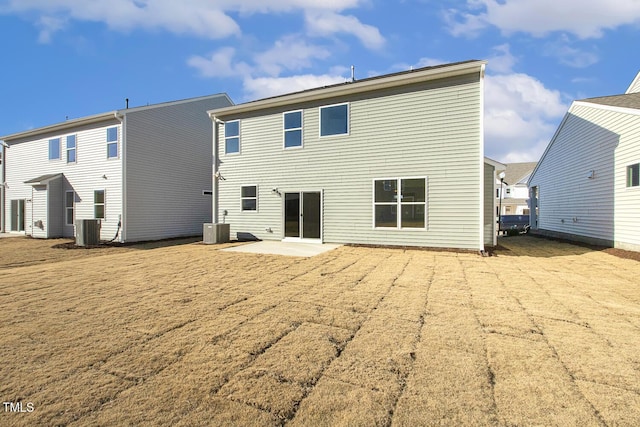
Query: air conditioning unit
[(215, 233), (87, 232)]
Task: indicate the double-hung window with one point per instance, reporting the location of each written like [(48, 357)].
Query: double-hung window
[(293, 129), (69, 202), (232, 137), (112, 143), (249, 197), (71, 148), (400, 203), (334, 120), (54, 149), (633, 175), (98, 204)]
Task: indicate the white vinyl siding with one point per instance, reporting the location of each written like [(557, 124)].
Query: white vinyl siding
[(602, 140), (91, 171), (430, 129)]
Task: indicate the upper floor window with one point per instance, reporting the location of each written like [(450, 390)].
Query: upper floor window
[(293, 129), (71, 148), (400, 203), (633, 175), (112, 142), (249, 197), (54, 149), (334, 120), (232, 137)]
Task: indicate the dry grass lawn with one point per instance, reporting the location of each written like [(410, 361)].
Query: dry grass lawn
[(543, 333)]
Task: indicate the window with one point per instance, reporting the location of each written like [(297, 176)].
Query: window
[(633, 175), (334, 120), (54, 149), (249, 197), (69, 201), (98, 204), (400, 203), (112, 143), (71, 149), (293, 129), (232, 137)]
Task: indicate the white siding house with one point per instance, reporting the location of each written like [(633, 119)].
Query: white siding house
[(586, 186), (141, 171), (390, 160), (512, 195)]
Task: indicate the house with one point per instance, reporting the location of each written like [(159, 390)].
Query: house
[(389, 160), (144, 172), (512, 195), (586, 186)]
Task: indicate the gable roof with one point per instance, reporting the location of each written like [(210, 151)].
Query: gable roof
[(357, 86), (518, 173), (96, 118), (627, 100)]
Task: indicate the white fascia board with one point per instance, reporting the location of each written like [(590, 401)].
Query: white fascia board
[(624, 110)]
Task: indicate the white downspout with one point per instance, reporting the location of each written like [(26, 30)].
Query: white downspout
[(3, 182), (216, 173), (123, 218), (481, 180)]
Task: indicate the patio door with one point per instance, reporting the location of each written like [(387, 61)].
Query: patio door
[(17, 215), (303, 215)]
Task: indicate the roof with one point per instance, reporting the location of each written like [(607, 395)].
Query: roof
[(96, 118), (518, 173), (628, 100), (44, 179), (357, 86)]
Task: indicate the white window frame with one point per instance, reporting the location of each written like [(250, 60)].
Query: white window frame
[(109, 143), (249, 198), (398, 204), (59, 140), (239, 136), (103, 204), (285, 130), (347, 133), (74, 149), (628, 175), (67, 208)]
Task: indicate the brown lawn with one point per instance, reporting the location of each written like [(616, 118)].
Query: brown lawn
[(543, 333)]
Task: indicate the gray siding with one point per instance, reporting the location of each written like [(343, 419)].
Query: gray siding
[(591, 138), (55, 213), (28, 159), (428, 130), (168, 163)]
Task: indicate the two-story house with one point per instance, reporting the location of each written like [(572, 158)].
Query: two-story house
[(144, 172), (586, 186), (390, 160), (512, 195)]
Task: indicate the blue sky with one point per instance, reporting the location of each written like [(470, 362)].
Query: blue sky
[(73, 58)]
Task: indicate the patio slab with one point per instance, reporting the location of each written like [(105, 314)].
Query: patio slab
[(284, 248)]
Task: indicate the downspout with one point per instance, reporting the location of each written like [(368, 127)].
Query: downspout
[(123, 215), (2, 185), (216, 172)]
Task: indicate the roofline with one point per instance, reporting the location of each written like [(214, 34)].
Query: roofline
[(97, 118), (358, 86), (551, 142), (496, 164), (633, 83), (625, 110)]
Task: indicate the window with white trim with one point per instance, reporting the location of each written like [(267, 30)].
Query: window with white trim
[(292, 129), (69, 203), (112, 143), (633, 175), (54, 149), (98, 204), (71, 148), (400, 203), (249, 198), (334, 120), (232, 137)]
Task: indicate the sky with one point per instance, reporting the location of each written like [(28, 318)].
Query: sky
[(64, 59)]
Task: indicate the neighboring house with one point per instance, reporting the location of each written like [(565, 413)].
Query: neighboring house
[(586, 186), (142, 171), (513, 193), (390, 160)]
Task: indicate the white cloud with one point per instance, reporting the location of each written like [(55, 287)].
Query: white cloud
[(219, 64), (502, 60), (569, 55), (585, 19), (264, 87), (48, 26), (328, 23), (290, 53), (521, 115)]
